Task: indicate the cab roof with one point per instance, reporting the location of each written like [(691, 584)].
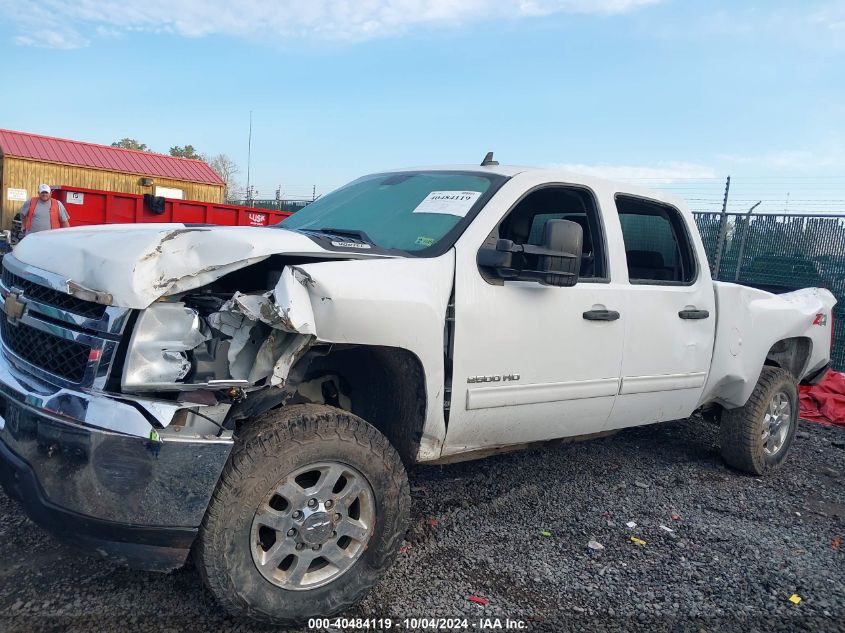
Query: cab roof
[(553, 174)]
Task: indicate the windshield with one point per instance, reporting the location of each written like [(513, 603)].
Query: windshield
[(409, 211)]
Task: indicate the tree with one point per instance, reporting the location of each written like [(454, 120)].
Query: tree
[(131, 143), (185, 152), (227, 169)]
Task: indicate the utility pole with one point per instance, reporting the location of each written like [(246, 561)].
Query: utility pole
[(313, 193), (723, 231), (249, 160)]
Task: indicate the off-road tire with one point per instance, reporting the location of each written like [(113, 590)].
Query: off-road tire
[(268, 449), (740, 433)]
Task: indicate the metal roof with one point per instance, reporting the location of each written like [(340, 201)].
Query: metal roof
[(67, 152)]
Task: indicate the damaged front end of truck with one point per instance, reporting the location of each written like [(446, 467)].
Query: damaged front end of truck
[(123, 380), (139, 361), (217, 339)]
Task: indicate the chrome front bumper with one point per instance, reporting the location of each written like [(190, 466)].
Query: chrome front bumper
[(103, 471)]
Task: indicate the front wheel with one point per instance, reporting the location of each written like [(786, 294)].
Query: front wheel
[(757, 437), (310, 510)]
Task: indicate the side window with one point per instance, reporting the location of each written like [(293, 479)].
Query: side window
[(524, 225), (657, 245)]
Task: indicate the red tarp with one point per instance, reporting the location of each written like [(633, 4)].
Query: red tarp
[(825, 402)]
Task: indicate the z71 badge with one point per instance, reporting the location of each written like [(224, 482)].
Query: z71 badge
[(501, 378)]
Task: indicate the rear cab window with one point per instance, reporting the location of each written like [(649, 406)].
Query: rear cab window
[(658, 247)]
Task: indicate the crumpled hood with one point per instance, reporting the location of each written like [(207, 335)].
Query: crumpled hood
[(137, 264)]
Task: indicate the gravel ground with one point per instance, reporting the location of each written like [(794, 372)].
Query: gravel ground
[(514, 530)]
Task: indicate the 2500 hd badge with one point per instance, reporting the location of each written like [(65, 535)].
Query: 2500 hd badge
[(495, 378)]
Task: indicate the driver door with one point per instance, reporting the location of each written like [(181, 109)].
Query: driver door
[(531, 362)]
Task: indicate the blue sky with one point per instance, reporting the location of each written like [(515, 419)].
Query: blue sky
[(677, 93)]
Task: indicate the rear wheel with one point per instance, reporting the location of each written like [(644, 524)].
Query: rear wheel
[(757, 437), (309, 512)]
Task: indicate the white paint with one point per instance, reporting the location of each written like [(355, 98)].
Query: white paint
[(759, 319), (512, 395), (390, 302), (16, 195), (657, 341), (669, 382), (449, 202), (734, 338), (532, 330), (170, 192), (140, 263), (291, 298)]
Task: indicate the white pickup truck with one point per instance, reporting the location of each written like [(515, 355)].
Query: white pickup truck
[(254, 395)]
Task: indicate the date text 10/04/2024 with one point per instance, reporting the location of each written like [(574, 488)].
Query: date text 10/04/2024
[(417, 624)]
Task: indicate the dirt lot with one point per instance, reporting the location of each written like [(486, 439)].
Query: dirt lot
[(514, 531)]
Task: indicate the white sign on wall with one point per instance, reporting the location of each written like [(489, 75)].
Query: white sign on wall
[(170, 192), (75, 197), (16, 194)]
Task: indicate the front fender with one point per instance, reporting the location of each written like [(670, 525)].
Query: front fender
[(391, 302)]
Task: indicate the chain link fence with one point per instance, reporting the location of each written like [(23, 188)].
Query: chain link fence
[(780, 253), (292, 205)]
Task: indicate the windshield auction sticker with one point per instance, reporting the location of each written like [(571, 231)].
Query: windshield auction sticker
[(449, 202)]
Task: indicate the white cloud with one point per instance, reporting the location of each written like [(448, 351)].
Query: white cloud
[(661, 173), (792, 160), (52, 39), (815, 26), (831, 17), (349, 20)]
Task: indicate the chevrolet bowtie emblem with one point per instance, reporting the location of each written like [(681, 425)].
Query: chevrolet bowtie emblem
[(13, 307)]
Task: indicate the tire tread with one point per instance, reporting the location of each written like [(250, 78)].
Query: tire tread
[(739, 435), (262, 438)]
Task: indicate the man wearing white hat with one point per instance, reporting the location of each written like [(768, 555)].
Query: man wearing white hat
[(43, 213)]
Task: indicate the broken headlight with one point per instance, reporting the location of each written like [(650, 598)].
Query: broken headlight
[(158, 357)]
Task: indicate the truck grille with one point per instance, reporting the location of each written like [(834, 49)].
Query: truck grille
[(61, 357), (54, 298)]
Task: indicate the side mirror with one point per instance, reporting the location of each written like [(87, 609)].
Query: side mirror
[(498, 258), (556, 263), (566, 238)]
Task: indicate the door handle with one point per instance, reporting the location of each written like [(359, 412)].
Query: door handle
[(601, 315), (693, 314)]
